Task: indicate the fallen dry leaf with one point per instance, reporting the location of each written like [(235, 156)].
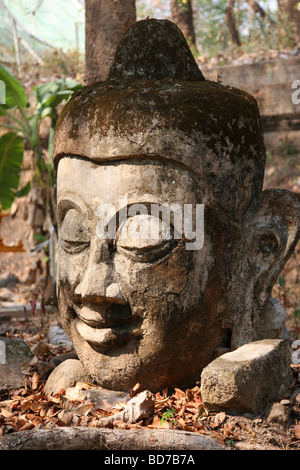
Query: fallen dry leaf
[(65, 418), (297, 431), (219, 418), (179, 394), (182, 423), (6, 413), (76, 393), (164, 425), (119, 424), (83, 409), (40, 349), (35, 381), (189, 394), (26, 427), (136, 389), (26, 368)]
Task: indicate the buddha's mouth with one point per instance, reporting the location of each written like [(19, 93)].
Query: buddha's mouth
[(106, 325)]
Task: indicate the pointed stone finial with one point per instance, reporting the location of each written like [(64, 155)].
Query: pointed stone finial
[(153, 50)]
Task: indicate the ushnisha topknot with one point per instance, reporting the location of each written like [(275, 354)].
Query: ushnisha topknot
[(157, 105), (154, 50)]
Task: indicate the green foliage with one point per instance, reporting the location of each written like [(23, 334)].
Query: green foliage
[(23, 191), (183, 4), (168, 415), (281, 281), (49, 96), (15, 94), (11, 157), (269, 154), (211, 29), (297, 312), (274, 30), (26, 128), (259, 32), (229, 442)]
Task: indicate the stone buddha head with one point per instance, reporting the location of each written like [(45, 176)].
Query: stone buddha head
[(168, 247)]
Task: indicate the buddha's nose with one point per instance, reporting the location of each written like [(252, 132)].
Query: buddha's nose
[(98, 282)]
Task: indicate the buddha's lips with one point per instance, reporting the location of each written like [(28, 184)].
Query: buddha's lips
[(105, 325), (103, 315)]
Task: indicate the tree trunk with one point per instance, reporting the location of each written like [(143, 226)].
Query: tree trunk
[(294, 16), (182, 16), (85, 438), (230, 21), (258, 9), (106, 21)]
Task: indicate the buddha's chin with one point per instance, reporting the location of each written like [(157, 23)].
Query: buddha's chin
[(145, 347), (113, 363)]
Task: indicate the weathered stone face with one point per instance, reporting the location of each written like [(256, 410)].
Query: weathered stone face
[(144, 309), (135, 309)]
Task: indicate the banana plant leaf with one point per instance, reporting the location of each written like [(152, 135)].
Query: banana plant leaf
[(14, 92), (11, 158), (50, 94)]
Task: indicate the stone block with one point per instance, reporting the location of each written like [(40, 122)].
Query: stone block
[(279, 413), (14, 352), (65, 376), (247, 379)]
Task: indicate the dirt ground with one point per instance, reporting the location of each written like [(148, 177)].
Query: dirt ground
[(28, 407)]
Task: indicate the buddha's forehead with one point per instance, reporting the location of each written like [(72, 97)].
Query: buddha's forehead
[(144, 181)]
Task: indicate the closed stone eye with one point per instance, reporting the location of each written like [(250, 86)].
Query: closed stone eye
[(74, 247), (144, 238), (74, 232)]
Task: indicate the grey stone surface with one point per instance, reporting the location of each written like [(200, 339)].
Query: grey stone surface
[(279, 413), (274, 321), (66, 375), (14, 352), (57, 335), (105, 398), (245, 380)]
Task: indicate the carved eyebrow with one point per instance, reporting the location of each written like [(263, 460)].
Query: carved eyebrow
[(70, 200), (142, 159)]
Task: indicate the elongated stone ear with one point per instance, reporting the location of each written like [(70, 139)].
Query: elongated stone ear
[(269, 234), (272, 230)]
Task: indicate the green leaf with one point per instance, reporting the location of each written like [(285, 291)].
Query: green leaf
[(14, 92), (297, 312), (52, 93), (24, 191), (39, 237), (3, 109), (44, 91), (11, 158), (46, 112)]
